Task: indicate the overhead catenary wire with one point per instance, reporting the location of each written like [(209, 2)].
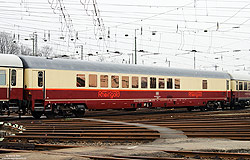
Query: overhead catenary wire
[(38, 14)]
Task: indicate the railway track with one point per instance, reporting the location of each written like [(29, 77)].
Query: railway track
[(233, 125), (41, 134), (170, 155), (211, 155), (61, 130)]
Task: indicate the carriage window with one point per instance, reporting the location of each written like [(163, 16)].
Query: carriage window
[(177, 84), (135, 82), (2, 77), (240, 86), (169, 83), (245, 86), (161, 83), (204, 84), (237, 85), (144, 82), (92, 80), (152, 82), (227, 84), (40, 79), (80, 80), (249, 86), (13, 77), (125, 81), (104, 80), (115, 81)]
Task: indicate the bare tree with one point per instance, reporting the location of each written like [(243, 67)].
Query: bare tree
[(45, 51), (25, 50), (7, 44)]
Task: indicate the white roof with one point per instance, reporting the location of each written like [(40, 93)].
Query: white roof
[(10, 60), (240, 77)]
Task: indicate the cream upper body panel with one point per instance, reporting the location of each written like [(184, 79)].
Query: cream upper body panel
[(65, 79), (11, 77)]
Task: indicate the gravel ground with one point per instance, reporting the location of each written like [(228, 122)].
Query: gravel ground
[(152, 149)]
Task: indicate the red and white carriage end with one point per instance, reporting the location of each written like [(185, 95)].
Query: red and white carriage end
[(11, 84), (240, 90), (59, 87)]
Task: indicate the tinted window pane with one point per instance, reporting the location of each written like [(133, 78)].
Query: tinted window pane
[(249, 86), (115, 81), (227, 84), (177, 84), (152, 82), (245, 85), (240, 86), (40, 79), (135, 82), (2, 77), (125, 82), (80, 80), (204, 84), (169, 83), (104, 81), (237, 85), (92, 80), (13, 77), (161, 83), (144, 82)]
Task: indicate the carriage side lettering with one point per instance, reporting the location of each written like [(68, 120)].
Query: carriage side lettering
[(195, 94), (109, 94)]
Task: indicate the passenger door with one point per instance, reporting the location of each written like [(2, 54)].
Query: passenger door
[(38, 83), (12, 84)]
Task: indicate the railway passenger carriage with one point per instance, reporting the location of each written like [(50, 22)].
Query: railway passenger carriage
[(11, 83), (240, 90), (62, 87)]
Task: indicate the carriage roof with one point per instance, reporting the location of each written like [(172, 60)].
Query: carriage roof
[(10, 60), (78, 65)]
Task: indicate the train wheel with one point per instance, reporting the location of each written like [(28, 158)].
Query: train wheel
[(37, 115)]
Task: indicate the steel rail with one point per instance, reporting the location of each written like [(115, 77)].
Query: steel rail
[(211, 154)]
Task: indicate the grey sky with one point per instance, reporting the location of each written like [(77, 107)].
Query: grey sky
[(217, 29)]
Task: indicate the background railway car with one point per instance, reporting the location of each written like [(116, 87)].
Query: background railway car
[(240, 90), (57, 86), (11, 84)]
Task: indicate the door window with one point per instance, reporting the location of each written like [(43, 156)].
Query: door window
[(204, 84), (13, 77), (40, 79)]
